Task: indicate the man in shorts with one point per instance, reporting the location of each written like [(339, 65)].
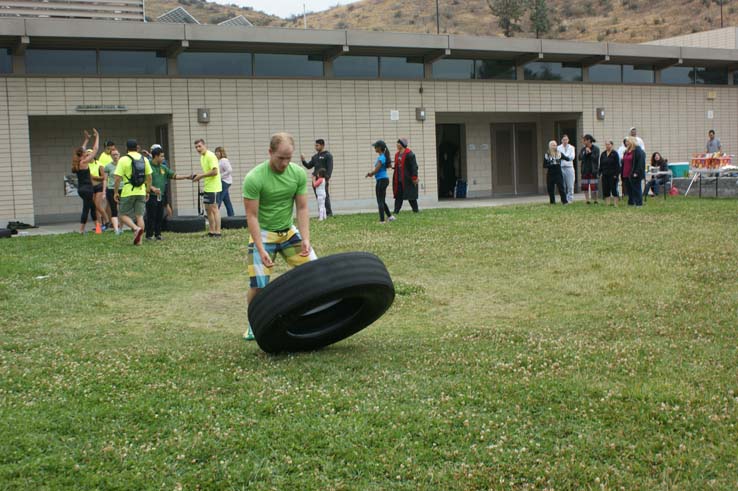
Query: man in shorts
[(269, 191), (213, 186), (132, 200)]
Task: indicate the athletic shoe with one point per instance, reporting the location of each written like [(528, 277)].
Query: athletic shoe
[(392, 219), (249, 334), (118, 232), (149, 238), (158, 237), (137, 236)]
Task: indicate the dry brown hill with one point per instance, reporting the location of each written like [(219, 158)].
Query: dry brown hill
[(604, 20), (209, 12)]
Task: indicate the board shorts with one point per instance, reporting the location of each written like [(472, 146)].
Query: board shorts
[(287, 243)]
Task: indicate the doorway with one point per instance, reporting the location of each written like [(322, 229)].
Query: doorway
[(449, 153), (514, 158), (569, 128)]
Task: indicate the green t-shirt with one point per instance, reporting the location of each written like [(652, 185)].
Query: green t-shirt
[(110, 172), (124, 170), (160, 176), (208, 162), (275, 192)]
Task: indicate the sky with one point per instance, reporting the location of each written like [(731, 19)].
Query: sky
[(285, 8)]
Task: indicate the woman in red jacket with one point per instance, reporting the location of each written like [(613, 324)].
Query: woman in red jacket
[(405, 178)]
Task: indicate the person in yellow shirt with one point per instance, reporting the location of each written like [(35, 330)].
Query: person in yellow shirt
[(97, 174), (213, 186), (133, 168)]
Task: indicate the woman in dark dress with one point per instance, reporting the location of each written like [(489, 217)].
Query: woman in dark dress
[(610, 172), (81, 167)]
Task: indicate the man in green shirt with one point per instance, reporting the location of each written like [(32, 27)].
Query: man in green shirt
[(133, 198), (213, 186), (160, 176), (270, 190)]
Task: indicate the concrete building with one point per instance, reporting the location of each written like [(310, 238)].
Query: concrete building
[(482, 109)]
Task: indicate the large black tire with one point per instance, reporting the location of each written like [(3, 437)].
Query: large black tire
[(321, 302), (5, 233), (186, 224), (233, 222)]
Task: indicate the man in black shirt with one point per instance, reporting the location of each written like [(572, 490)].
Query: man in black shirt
[(321, 160)]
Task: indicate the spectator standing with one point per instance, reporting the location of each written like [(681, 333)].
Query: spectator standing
[(622, 149), (589, 159), (634, 166), (568, 153), (381, 178), (405, 178), (713, 144), (321, 160), (81, 167), (270, 191), (639, 140), (226, 179), (213, 186), (97, 174), (610, 172), (132, 198), (156, 205), (554, 177), (110, 190)]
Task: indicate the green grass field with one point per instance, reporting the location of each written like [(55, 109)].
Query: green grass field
[(529, 347)]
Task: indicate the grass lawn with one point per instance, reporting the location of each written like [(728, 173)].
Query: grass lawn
[(529, 347)]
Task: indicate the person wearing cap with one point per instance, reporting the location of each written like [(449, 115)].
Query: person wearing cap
[(405, 178), (379, 172), (132, 199), (321, 160), (213, 186), (589, 158)]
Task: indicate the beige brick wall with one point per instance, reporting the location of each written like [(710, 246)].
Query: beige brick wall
[(348, 114), (718, 38)]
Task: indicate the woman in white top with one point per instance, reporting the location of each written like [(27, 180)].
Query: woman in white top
[(226, 178)]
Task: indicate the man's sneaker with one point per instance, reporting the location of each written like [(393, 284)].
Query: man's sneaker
[(392, 219), (158, 237), (249, 335), (137, 236)]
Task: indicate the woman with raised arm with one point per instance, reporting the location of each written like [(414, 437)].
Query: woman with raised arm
[(81, 167)]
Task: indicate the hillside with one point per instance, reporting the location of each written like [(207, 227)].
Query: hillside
[(627, 21), (209, 12)]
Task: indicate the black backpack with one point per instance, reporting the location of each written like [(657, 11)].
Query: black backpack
[(138, 171)]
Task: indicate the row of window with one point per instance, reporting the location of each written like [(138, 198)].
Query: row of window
[(119, 62)]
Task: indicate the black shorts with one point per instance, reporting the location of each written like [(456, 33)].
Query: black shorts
[(209, 198), (98, 188)]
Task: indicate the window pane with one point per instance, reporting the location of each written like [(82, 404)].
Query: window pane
[(637, 74), (448, 69), (565, 72), (677, 75), (230, 64), (605, 74), (269, 65), (356, 67), (495, 69), (132, 63), (392, 67), (6, 61), (711, 76), (61, 62)]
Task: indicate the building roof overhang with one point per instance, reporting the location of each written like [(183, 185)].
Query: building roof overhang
[(19, 34)]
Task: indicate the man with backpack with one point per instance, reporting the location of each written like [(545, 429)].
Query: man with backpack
[(135, 171)]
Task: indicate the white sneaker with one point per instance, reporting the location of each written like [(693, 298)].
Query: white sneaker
[(392, 218)]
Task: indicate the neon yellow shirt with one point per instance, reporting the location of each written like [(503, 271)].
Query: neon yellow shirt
[(104, 159), (208, 162), (124, 169)]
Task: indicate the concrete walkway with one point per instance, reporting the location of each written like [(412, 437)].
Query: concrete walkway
[(65, 228)]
